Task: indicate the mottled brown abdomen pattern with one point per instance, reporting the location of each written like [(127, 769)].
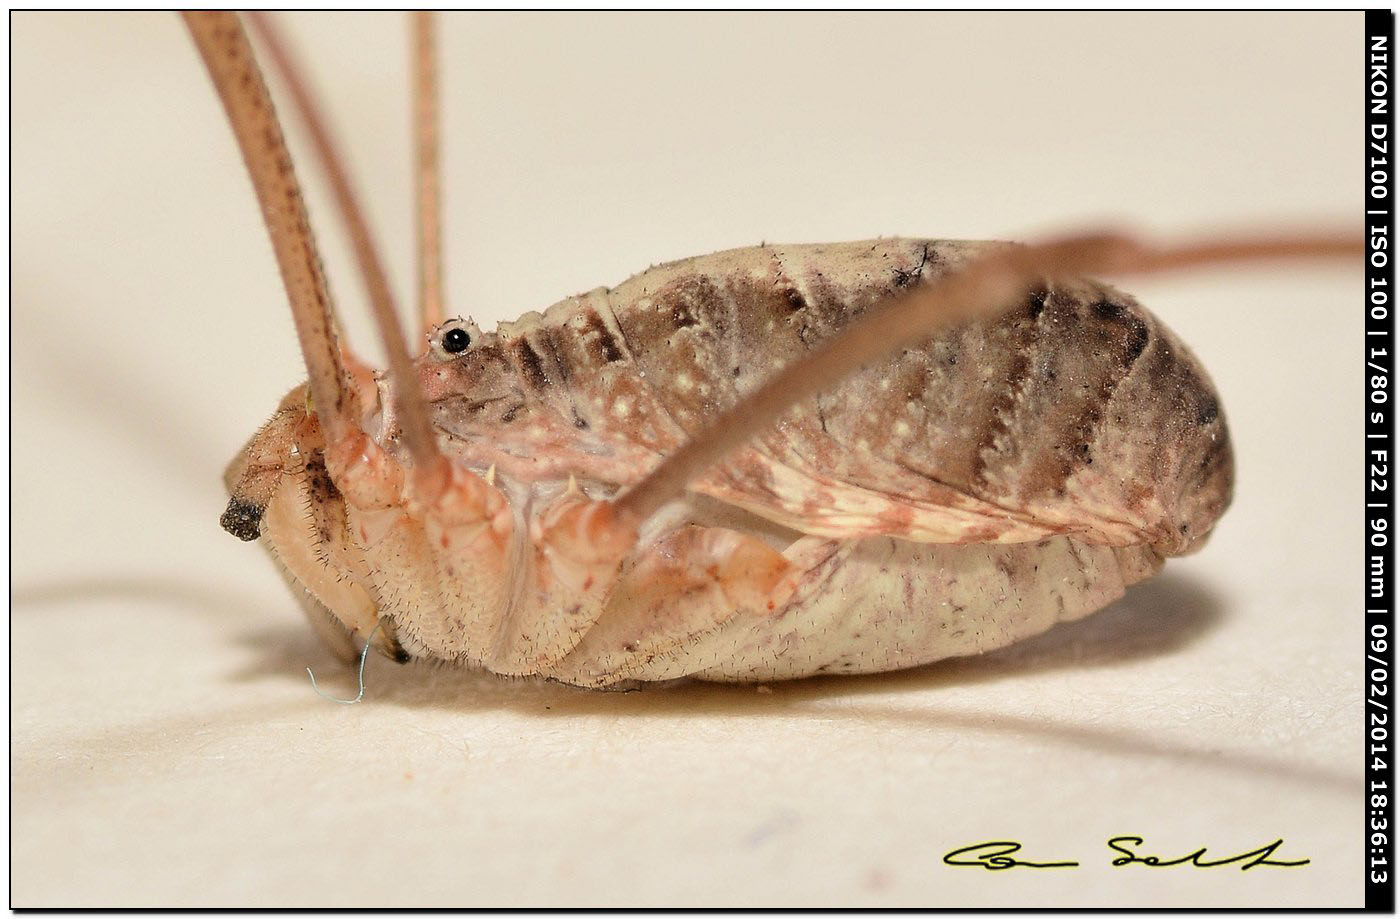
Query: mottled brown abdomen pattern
[(1076, 413)]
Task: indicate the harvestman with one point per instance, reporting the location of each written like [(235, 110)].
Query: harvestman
[(754, 465)]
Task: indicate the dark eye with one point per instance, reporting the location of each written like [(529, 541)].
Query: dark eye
[(455, 341)]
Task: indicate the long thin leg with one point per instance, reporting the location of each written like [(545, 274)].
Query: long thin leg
[(425, 132), (224, 47), (991, 283), (409, 407)]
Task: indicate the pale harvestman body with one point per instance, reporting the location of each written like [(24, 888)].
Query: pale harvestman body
[(753, 465)]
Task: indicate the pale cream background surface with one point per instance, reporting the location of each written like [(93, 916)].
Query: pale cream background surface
[(166, 746)]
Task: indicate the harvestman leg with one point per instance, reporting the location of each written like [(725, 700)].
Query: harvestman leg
[(411, 414), (358, 456), (425, 130), (226, 53)]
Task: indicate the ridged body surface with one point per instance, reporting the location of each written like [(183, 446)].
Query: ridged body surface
[(962, 494)]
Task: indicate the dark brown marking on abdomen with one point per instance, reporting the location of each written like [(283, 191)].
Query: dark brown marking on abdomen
[(531, 366), (601, 337)]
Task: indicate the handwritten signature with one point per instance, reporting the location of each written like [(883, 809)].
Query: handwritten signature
[(1000, 854)]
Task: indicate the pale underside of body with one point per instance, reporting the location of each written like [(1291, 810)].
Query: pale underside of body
[(961, 495)]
